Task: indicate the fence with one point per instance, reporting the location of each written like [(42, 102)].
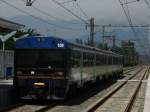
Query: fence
[(6, 63)]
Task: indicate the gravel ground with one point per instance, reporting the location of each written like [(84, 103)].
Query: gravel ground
[(27, 108)]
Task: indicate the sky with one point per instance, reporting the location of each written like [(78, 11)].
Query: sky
[(62, 24), (99, 9), (104, 11)]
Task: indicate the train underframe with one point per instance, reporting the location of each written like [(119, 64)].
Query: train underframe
[(30, 87), (40, 88)]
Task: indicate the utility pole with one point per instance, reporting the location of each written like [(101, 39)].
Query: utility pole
[(149, 34), (114, 41), (91, 40), (103, 35)]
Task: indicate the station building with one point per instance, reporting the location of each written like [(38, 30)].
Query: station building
[(7, 56), (129, 53)]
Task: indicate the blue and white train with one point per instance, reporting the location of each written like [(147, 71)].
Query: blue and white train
[(48, 67)]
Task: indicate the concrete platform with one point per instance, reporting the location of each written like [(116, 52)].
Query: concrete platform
[(131, 80), (6, 82), (147, 97), (8, 96)]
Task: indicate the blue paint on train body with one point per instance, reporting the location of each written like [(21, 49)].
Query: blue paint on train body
[(41, 42)]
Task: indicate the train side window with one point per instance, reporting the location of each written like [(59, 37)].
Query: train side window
[(118, 60), (85, 59), (109, 60), (121, 60), (100, 59), (115, 60), (97, 59), (88, 59), (104, 61), (112, 59), (75, 58)]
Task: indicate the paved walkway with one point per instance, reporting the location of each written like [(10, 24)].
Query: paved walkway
[(147, 97), (6, 82)]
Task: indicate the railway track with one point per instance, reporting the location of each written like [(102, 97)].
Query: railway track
[(121, 98), (30, 107), (128, 70), (25, 107)]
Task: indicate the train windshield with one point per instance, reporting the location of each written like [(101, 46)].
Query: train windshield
[(32, 58)]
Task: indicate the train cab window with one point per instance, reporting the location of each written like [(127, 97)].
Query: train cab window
[(38, 57)]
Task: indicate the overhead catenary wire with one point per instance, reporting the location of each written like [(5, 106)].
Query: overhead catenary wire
[(67, 1), (128, 12), (128, 18), (147, 3), (82, 11), (72, 13), (51, 16), (37, 18), (131, 25)]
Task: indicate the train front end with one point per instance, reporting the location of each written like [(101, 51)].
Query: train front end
[(41, 68)]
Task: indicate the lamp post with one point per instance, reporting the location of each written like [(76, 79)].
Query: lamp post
[(15, 39), (4, 39)]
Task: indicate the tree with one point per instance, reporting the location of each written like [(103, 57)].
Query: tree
[(100, 46), (9, 45)]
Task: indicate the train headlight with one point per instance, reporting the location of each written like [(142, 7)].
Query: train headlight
[(32, 72), (19, 72), (60, 73)]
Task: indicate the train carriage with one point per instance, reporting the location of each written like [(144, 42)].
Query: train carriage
[(48, 67)]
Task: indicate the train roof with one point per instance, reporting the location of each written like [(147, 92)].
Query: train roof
[(40, 42), (93, 48), (46, 42)]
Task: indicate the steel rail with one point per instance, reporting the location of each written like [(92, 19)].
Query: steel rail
[(50, 106), (129, 70), (105, 98), (12, 107), (22, 104), (131, 102)]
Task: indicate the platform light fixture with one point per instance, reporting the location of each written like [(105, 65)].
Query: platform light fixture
[(29, 2)]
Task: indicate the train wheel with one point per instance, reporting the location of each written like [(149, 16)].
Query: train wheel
[(72, 91)]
